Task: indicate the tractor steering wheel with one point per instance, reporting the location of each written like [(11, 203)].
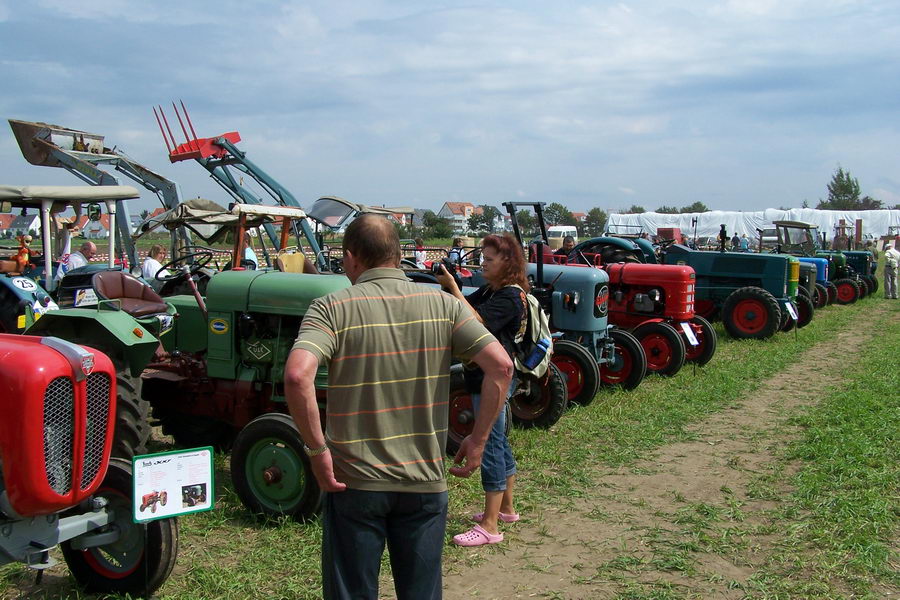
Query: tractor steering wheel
[(202, 258)]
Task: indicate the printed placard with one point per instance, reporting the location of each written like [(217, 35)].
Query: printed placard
[(689, 333), (173, 483), (791, 310)]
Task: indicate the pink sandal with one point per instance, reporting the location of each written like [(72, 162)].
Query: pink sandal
[(505, 517), (477, 537)]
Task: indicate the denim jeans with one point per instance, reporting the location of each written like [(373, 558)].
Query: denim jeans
[(497, 462), (355, 526)]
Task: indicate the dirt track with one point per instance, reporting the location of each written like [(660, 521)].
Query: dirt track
[(630, 522)]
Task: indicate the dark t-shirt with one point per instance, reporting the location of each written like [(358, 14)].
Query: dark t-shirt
[(503, 312)]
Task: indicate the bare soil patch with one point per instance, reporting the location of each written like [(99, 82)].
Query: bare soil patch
[(645, 524)]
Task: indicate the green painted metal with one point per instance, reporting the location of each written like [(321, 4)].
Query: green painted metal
[(270, 454)]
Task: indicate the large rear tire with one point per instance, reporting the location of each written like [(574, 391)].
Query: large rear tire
[(580, 370), (628, 366), (132, 417), (847, 291), (462, 411), (662, 346), (142, 557), (820, 299), (751, 313), (270, 471), (540, 403), (703, 352)]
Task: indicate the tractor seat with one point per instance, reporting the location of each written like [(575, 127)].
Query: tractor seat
[(138, 299)]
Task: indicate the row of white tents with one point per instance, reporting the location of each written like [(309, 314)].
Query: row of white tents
[(875, 223)]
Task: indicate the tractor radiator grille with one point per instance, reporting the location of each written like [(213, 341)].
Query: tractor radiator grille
[(59, 419), (98, 385)]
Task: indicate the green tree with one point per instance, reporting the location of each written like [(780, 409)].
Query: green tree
[(485, 220), (435, 226), (667, 210), (595, 222), (145, 214), (527, 223), (557, 214), (634, 210), (843, 194), (696, 207)]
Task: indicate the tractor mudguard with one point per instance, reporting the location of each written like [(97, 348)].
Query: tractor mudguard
[(114, 332)]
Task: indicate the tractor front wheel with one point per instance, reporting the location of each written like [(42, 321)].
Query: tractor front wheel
[(132, 417), (270, 471), (462, 411), (820, 299), (751, 313), (580, 370), (847, 291), (140, 560), (663, 348), (703, 352), (805, 311), (540, 402), (628, 364), (832, 292), (874, 281)]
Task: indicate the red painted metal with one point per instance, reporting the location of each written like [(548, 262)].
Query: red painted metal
[(26, 369)]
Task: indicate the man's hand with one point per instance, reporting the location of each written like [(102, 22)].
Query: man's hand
[(323, 469), (446, 279), (468, 456)]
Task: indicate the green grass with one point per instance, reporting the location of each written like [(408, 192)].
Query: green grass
[(845, 511)]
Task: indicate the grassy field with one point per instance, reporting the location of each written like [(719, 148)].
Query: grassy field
[(833, 485)]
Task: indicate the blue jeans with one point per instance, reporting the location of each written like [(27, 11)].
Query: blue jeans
[(355, 526), (497, 462)]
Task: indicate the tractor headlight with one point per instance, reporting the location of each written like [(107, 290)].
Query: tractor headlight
[(654, 295)]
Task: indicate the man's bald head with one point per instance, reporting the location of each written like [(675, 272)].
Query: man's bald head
[(373, 240), (88, 249)]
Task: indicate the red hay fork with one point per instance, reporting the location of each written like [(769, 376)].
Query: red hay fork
[(193, 147)]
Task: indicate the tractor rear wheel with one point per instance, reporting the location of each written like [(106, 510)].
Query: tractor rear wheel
[(832, 292), (270, 471), (663, 348), (820, 299), (805, 310), (703, 352), (847, 291), (540, 402), (580, 370), (751, 313), (628, 365), (140, 560), (132, 417), (462, 411)]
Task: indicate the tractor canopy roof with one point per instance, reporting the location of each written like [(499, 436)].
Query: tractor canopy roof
[(795, 224), (334, 212), (19, 196)]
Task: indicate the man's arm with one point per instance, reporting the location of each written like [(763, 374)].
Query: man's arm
[(497, 368), (300, 393)]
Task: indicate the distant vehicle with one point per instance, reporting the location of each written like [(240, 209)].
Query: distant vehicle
[(768, 239), (557, 233)]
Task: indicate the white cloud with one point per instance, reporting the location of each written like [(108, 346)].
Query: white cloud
[(627, 191)]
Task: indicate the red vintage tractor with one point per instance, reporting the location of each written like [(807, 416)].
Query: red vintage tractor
[(58, 485), (150, 500)]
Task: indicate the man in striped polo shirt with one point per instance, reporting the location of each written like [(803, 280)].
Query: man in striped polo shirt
[(388, 344)]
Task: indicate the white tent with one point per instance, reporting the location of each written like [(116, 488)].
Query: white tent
[(875, 222)]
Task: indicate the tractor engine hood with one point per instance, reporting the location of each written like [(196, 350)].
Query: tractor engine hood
[(269, 291), (641, 274)]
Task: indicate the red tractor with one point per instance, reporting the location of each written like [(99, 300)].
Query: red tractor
[(58, 484), (150, 500)]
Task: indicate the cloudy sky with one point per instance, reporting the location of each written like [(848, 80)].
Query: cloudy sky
[(740, 104)]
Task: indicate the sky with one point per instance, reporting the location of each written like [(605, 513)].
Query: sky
[(739, 104)]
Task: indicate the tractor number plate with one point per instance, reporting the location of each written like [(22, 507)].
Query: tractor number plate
[(791, 310), (689, 333)]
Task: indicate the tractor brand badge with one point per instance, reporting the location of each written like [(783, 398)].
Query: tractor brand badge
[(602, 301), (87, 364), (258, 350), (24, 284), (218, 326)]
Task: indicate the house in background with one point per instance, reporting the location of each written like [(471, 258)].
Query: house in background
[(5, 221), (23, 224), (458, 214)]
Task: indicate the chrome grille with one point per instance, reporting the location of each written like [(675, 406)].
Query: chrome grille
[(98, 385), (59, 419)]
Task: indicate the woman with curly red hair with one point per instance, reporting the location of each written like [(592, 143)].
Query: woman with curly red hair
[(500, 306)]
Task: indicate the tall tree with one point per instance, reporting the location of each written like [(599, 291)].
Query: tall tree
[(527, 223), (484, 221), (557, 214), (435, 226), (696, 207), (145, 214), (635, 210), (595, 222), (843, 194), (667, 210)]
